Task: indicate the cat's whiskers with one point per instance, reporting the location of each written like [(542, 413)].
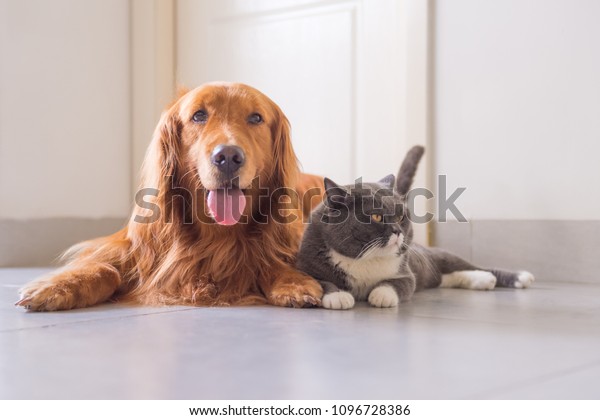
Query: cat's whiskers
[(366, 247), (362, 252), (369, 247), (345, 239), (370, 252), (423, 262)]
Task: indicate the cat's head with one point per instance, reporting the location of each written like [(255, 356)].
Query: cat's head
[(366, 220)]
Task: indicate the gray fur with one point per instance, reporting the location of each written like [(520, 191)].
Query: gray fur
[(408, 169), (342, 226)]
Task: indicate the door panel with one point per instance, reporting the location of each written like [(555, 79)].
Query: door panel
[(322, 62), (337, 69)]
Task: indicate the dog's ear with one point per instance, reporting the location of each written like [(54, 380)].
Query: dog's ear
[(285, 171), (162, 160)]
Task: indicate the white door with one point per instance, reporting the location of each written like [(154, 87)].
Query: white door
[(338, 69)]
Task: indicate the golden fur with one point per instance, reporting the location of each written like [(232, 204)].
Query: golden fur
[(200, 262)]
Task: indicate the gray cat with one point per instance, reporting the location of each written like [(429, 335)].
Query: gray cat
[(358, 245)]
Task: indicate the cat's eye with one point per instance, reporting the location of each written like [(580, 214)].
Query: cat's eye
[(377, 218), (255, 118), (200, 117)]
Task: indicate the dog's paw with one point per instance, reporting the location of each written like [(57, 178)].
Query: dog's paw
[(338, 300), (524, 280), (301, 292), (45, 295), (384, 297)]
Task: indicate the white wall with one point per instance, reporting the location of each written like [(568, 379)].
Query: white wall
[(517, 106), (64, 109)]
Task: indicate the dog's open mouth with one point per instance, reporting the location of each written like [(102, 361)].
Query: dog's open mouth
[(226, 205)]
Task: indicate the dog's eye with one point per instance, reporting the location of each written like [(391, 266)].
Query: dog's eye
[(200, 117), (255, 118)]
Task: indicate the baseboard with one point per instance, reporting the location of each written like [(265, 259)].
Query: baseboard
[(554, 250), (37, 243)]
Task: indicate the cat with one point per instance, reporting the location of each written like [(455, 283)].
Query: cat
[(358, 245)]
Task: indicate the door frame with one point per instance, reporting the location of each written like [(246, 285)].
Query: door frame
[(153, 49), (420, 95), (153, 81)]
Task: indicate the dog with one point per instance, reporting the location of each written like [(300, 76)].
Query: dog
[(215, 221)]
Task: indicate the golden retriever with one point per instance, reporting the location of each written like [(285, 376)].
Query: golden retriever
[(214, 223)]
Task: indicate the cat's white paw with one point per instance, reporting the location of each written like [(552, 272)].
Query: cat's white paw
[(338, 300), (524, 280), (470, 279), (482, 280), (384, 297)]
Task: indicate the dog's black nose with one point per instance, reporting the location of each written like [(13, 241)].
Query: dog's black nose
[(228, 159)]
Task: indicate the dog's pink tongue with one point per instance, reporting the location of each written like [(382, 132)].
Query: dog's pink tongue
[(226, 205)]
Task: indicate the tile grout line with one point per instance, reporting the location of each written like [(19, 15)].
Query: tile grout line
[(96, 320)]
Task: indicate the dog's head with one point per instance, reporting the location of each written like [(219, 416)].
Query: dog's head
[(220, 137)]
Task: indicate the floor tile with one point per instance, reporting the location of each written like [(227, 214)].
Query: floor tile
[(446, 344), (16, 318)]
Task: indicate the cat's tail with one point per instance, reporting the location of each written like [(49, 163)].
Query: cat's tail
[(407, 171)]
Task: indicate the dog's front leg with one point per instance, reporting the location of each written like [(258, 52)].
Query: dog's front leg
[(71, 287), (291, 288)]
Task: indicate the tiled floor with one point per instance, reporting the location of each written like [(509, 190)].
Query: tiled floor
[(535, 344)]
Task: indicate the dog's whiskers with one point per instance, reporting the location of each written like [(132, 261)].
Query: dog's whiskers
[(185, 174)]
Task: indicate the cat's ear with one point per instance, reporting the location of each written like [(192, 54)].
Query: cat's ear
[(389, 181), (334, 193)]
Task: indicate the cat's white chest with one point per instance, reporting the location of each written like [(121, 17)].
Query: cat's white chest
[(364, 274)]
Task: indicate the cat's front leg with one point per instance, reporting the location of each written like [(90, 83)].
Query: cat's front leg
[(334, 298), (390, 293)]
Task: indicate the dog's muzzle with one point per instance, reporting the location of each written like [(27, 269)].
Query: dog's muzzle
[(228, 160)]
